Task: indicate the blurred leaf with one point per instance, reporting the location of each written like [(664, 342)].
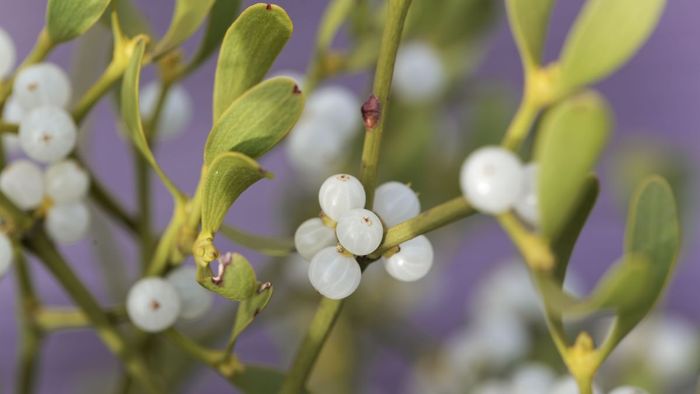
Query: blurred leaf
[(570, 140), (333, 18), (258, 380), (249, 309), (529, 21), (226, 178), (187, 17), (236, 279), (221, 16), (133, 21), (276, 247), (257, 120), (132, 115), (605, 35), (249, 48), (67, 19)]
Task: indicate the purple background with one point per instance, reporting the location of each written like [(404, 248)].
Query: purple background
[(657, 94)]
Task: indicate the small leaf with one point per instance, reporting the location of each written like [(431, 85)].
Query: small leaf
[(528, 21), (258, 120), (221, 16), (256, 380), (226, 178), (67, 19), (605, 35), (132, 115), (250, 46), (570, 140), (235, 278), (249, 309), (187, 17)]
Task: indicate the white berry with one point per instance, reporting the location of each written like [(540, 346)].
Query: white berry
[(628, 390), (47, 134), (12, 112), (412, 261), (153, 304), (8, 54), (337, 106), (6, 255), (359, 231), (491, 179), (23, 183), (195, 300), (526, 206), (419, 75), (68, 223), (339, 194), (43, 84), (176, 113), (66, 182), (314, 151), (312, 236), (532, 378), (567, 385), (333, 274), (395, 203)]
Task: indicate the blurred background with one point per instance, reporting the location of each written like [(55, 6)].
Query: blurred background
[(446, 332)]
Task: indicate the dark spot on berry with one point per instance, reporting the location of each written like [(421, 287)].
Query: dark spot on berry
[(33, 86), (155, 305), (46, 137), (489, 170), (366, 220), (343, 177)]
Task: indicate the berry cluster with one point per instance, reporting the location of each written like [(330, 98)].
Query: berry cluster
[(154, 304), (494, 181), (347, 231)]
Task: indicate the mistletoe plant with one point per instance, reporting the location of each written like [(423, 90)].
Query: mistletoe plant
[(561, 127)]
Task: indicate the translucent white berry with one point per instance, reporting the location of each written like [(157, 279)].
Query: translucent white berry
[(628, 390), (43, 84), (567, 385), (66, 181), (672, 348), (68, 223), (491, 179), (23, 183), (8, 54), (532, 378), (340, 193), (12, 112), (395, 202), (195, 300), (6, 254), (47, 134), (504, 336), (312, 236), (359, 231), (526, 206), (337, 106), (176, 113), (413, 261), (153, 304), (333, 274), (419, 75), (314, 151)]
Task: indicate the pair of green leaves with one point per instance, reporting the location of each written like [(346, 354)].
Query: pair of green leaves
[(605, 35)]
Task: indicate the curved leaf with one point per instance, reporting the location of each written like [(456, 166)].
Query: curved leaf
[(605, 35), (250, 46), (221, 16), (67, 19), (528, 21), (570, 140), (234, 280), (226, 178), (187, 17), (258, 120), (249, 309)]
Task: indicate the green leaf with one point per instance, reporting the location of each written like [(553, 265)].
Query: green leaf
[(229, 175), (570, 140), (187, 17), (249, 309), (67, 19), (605, 35), (528, 21), (333, 17), (221, 16), (258, 120), (256, 380), (132, 115), (133, 21), (250, 46), (234, 280), (269, 246)]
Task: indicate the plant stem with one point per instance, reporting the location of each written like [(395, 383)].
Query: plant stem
[(30, 345), (44, 249), (9, 128), (112, 74), (534, 248), (143, 198), (521, 124)]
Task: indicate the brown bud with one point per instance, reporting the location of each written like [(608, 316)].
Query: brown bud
[(371, 112)]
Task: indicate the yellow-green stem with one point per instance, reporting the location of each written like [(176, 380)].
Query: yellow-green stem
[(521, 124), (31, 335), (112, 74)]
